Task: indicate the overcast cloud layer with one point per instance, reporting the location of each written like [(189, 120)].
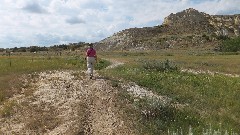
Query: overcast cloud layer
[(49, 22)]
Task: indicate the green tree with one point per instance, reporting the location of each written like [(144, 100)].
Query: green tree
[(33, 49), (230, 45)]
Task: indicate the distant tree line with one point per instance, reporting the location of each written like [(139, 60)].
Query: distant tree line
[(70, 46)]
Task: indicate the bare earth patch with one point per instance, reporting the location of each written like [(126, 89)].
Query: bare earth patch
[(68, 102), (65, 102), (208, 72)]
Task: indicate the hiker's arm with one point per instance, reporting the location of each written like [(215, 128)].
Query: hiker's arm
[(86, 54), (96, 58)]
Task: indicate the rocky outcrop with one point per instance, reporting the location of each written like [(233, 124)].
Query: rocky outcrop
[(194, 21), (226, 25), (189, 21), (133, 38), (187, 28)]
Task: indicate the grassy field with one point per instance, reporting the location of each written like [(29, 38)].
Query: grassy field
[(212, 102), (13, 67), (199, 60)]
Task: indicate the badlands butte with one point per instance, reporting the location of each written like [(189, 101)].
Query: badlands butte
[(187, 29)]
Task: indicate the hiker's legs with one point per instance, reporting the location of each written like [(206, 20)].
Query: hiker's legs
[(90, 65), (89, 68)]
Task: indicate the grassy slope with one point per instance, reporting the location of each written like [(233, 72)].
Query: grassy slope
[(211, 99)]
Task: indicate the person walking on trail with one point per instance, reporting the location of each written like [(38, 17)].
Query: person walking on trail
[(91, 58)]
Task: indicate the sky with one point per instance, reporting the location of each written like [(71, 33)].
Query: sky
[(25, 23)]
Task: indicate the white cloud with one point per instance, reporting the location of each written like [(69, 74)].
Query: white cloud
[(34, 7), (75, 20), (46, 22)]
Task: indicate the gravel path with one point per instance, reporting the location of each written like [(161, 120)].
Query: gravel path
[(69, 103), (65, 102)]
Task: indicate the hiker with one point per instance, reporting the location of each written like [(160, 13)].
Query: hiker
[(91, 58)]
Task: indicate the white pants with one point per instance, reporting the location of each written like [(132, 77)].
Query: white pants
[(90, 65)]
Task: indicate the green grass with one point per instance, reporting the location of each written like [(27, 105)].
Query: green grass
[(210, 99), (101, 64), (27, 64), (7, 109), (193, 59), (13, 67)]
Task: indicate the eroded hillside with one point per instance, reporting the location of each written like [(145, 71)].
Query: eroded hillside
[(189, 28)]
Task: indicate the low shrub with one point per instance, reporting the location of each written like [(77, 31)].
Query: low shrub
[(160, 66)]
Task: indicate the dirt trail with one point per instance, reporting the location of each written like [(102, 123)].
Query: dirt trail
[(69, 103), (65, 102)]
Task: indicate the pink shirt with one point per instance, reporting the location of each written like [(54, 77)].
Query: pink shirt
[(91, 52)]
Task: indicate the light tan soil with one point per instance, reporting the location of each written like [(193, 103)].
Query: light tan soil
[(69, 103), (65, 102)]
